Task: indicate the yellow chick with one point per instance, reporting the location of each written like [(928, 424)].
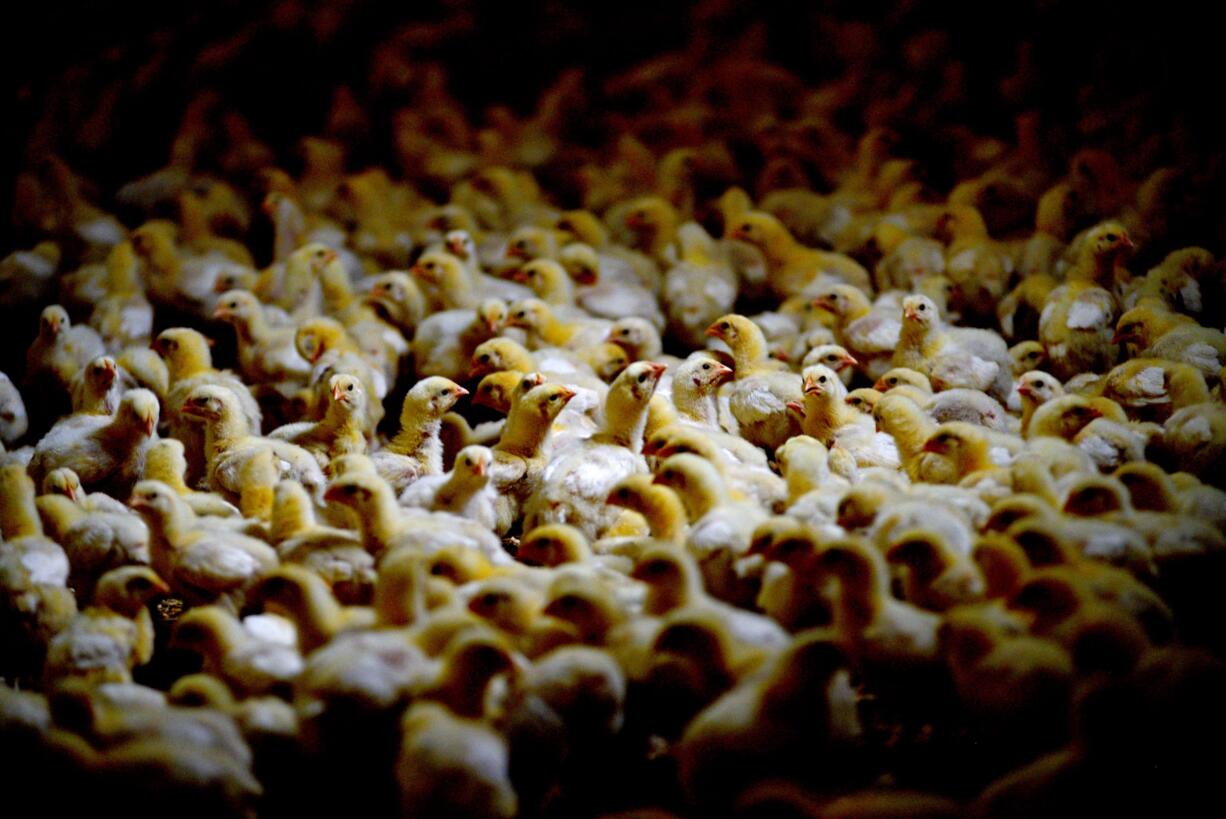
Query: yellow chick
[(758, 397), (342, 430), (265, 352), (302, 596), (793, 266), (416, 450), (105, 451)]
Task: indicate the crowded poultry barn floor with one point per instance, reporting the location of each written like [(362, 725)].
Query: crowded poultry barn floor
[(674, 411)]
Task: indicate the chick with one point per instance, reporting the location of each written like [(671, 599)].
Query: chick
[(385, 526), (94, 541), (416, 450), (229, 445), (105, 451), (190, 364), (575, 485), (65, 482), (342, 430), (937, 578), (868, 331), (952, 357), (519, 456), (465, 491), (265, 352), (306, 599), (793, 266), (96, 388), (773, 724), (249, 665), (758, 397), (1077, 320), (166, 462), (830, 420), (199, 563), (336, 555), (60, 351), (452, 766), (113, 635)]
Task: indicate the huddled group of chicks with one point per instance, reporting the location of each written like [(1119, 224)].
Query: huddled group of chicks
[(878, 501)]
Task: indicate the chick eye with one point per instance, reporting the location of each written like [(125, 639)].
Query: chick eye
[(484, 359), (746, 228), (1110, 237), (553, 398), (923, 307), (723, 325), (706, 366), (822, 380), (348, 388)]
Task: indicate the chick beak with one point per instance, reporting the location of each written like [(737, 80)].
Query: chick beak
[(476, 370), (586, 277), (337, 392), (519, 275), (479, 469), (1093, 412), (714, 331), (459, 392), (138, 503), (1127, 242), (812, 387), (910, 314), (420, 272), (657, 369), (824, 303), (72, 494), (493, 324), (723, 373), (455, 248), (880, 385), (148, 424), (1118, 337), (848, 360), (220, 312), (1025, 391)]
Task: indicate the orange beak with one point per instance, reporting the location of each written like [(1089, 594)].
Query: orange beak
[(479, 469), (910, 313), (337, 392), (220, 312), (812, 387), (657, 369), (421, 273), (72, 494), (824, 303), (149, 425), (723, 373), (519, 275), (880, 385), (714, 331), (737, 233), (1128, 242), (460, 392), (1025, 390), (329, 256), (567, 394), (848, 360)]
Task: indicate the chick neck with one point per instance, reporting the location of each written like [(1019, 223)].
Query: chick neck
[(625, 419), (381, 522), (973, 457), (525, 430), (168, 473), (749, 350), (343, 428), (680, 589), (291, 514), (316, 614), (912, 337), (224, 431), (191, 358), (418, 437), (459, 488), (662, 510), (910, 428), (702, 492), (695, 403), (335, 288), (18, 513), (805, 474), (824, 413)]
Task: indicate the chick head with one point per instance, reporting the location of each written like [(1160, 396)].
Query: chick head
[(316, 336), (1027, 356), (648, 214), (542, 276), (1064, 416), (359, 491), (1139, 326), (127, 589), (458, 565), (505, 603), (548, 400), (553, 545), (1049, 597), (607, 360), (500, 354), (53, 321), (351, 463), (589, 607), (734, 329), (530, 242), (638, 381), (863, 399), (841, 299), (856, 564), (1096, 495), (756, 228), (496, 390), (833, 356), (14, 421), (180, 347), (138, 411), (347, 392), (703, 371), (820, 380), (100, 373), (1039, 387), (662, 568), (460, 244), (770, 531), (636, 335), (63, 481), (920, 311), (903, 376), (154, 500), (1009, 510), (923, 551), (530, 314), (1148, 485), (583, 226), (439, 268), (430, 398), (1042, 543), (394, 294), (493, 312), (238, 307), (210, 402), (581, 262), (688, 474), (1108, 240)]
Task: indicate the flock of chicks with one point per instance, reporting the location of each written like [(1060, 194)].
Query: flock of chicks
[(853, 554)]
